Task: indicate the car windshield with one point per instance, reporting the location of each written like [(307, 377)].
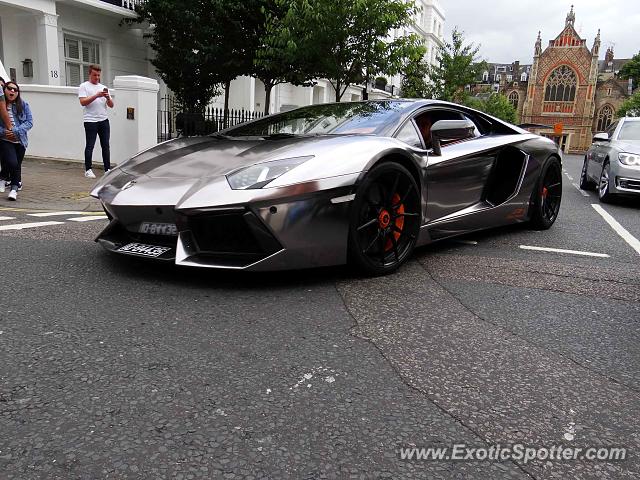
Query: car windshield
[(630, 131), (335, 118)]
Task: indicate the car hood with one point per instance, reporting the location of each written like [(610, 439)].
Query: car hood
[(199, 157), (631, 146)]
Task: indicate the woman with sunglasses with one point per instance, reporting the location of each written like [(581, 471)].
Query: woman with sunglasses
[(13, 143)]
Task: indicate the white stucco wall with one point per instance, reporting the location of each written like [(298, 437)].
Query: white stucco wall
[(58, 130)]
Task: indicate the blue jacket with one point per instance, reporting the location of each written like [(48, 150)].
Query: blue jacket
[(21, 124)]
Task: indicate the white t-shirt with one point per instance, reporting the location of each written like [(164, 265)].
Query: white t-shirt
[(96, 111)]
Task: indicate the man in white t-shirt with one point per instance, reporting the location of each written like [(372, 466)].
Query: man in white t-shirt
[(95, 98)]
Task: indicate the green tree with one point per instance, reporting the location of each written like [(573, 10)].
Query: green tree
[(185, 48), (457, 66), (414, 79), (499, 106), (351, 38), (496, 105), (284, 52), (631, 106), (631, 69), (201, 45)]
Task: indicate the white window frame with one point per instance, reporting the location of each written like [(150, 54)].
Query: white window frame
[(83, 64)]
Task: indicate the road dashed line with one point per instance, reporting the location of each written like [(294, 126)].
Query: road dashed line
[(87, 218), (20, 226), (7, 218), (562, 250)]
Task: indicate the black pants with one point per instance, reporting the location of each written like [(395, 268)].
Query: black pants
[(102, 130), (12, 155)]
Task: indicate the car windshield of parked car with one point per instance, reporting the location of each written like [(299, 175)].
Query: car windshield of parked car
[(630, 131), (336, 118)]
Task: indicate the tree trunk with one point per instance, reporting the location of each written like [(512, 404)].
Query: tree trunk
[(337, 88), (227, 87), (267, 97)]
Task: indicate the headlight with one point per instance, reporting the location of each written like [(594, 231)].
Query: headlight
[(257, 176), (629, 159)]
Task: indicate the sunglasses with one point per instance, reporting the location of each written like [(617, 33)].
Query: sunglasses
[(12, 89)]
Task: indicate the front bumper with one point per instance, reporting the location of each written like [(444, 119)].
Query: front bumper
[(291, 228), (626, 179)]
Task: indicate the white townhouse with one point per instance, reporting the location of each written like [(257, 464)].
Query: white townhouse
[(49, 42)]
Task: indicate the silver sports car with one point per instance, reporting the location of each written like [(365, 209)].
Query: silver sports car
[(329, 184), (612, 163)]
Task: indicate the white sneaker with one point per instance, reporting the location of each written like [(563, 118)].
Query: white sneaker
[(89, 174), (2, 186), (13, 194)]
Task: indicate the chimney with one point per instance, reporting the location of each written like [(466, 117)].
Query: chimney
[(608, 57), (630, 87)]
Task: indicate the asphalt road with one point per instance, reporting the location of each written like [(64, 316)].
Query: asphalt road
[(114, 368)]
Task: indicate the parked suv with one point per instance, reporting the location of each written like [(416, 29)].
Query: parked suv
[(612, 163)]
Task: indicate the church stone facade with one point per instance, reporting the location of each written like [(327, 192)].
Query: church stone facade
[(567, 93)]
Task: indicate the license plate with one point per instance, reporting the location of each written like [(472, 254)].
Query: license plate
[(168, 229), (144, 250)]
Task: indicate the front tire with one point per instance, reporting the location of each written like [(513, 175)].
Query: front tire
[(604, 191), (547, 195), (585, 182), (385, 219)]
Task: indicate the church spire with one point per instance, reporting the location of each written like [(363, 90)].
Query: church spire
[(538, 49), (571, 18), (596, 45)]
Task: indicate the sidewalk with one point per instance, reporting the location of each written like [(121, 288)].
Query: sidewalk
[(51, 184)]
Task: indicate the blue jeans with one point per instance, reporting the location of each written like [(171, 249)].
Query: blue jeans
[(102, 130), (12, 155)]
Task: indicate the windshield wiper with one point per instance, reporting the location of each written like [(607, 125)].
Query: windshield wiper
[(275, 136)]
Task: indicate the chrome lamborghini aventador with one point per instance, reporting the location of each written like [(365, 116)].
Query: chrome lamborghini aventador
[(328, 184)]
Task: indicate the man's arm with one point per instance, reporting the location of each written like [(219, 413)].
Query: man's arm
[(84, 101), (4, 115), (109, 100)]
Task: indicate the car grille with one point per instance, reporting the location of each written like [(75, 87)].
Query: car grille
[(629, 184), (235, 233)]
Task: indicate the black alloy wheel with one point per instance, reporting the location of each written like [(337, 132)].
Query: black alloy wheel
[(385, 219), (585, 182), (548, 195)]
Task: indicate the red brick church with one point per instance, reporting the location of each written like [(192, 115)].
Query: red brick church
[(566, 87)]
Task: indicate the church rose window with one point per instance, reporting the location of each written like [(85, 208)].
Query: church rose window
[(513, 98), (561, 85), (605, 117)]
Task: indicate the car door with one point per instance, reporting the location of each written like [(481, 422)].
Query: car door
[(600, 152)]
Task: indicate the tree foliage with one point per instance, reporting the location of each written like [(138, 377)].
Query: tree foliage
[(496, 105), (284, 52), (414, 79), (631, 106), (631, 69), (457, 66), (350, 38)]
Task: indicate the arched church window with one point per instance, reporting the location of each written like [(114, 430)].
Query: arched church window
[(605, 117), (561, 85), (514, 98)]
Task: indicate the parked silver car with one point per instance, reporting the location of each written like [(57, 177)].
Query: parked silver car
[(612, 163)]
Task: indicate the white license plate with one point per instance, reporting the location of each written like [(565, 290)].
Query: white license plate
[(144, 250), (169, 229)]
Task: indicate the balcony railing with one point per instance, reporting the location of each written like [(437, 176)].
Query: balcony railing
[(557, 107), (128, 4)]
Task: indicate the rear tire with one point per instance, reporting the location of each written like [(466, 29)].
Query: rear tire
[(585, 182), (385, 219), (604, 192), (547, 195)]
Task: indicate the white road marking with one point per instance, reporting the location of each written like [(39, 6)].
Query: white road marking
[(569, 177), (561, 250), (54, 214), (20, 226), (88, 218), (7, 218), (619, 229), (584, 194), (466, 242)]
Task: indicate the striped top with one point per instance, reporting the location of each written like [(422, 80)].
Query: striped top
[(13, 122)]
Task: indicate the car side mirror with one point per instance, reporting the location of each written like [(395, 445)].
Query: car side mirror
[(446, 130), (601, 137)]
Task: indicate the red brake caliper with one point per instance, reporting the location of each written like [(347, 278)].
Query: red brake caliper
[(399, 222)]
